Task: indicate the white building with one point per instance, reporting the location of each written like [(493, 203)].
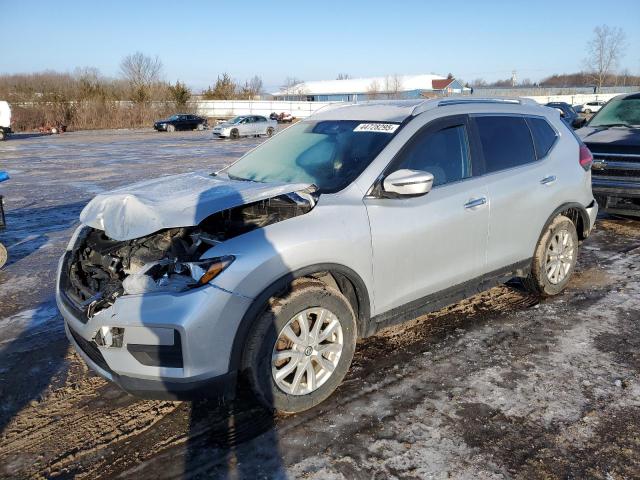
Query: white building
[(360, 89)]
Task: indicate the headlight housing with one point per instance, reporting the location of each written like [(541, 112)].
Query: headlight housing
[(175, 276)]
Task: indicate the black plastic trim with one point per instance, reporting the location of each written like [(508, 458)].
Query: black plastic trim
[(169, 356), (436, 301), (222, 386)]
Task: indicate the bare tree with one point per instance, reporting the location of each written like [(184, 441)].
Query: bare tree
[(393, 86), (343, 76), (255, 86), (373, 90), (141, 72), (293, 86), (604, 51)]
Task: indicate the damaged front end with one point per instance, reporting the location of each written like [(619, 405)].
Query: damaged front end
[(98, 269)]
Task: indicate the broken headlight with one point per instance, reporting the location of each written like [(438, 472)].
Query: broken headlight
[(175, 276)]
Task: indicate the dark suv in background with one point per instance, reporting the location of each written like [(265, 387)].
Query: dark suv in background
[(613, 136), (181, 121), (568, 114)]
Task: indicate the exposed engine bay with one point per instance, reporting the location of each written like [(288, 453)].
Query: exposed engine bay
[(101, 269)]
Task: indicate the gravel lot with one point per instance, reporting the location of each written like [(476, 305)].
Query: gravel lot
[(498, 386)]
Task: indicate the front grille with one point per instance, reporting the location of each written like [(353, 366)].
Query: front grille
[(625, 165), (91, 350)]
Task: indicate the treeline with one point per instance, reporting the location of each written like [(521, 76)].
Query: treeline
[(579, 79), (86, 99)]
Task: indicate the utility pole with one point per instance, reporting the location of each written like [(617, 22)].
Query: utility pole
[(514, 78)]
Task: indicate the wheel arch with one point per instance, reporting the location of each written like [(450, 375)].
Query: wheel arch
[(347, 281), (576, 213)]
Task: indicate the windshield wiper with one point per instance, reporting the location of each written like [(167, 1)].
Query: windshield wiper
[(234, 177), (615, 125)]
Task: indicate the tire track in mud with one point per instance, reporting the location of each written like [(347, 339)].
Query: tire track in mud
[(88, 428), (376, 369)]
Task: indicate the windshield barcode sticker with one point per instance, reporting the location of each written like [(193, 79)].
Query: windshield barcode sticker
[(377, 127)]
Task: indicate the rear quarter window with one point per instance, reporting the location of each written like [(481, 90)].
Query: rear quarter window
[(506, 141), (544, 136)]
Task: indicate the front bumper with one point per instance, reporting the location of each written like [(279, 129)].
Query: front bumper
[(617, 195), (160, 128), (220, 133), (221, 386), (206, 321)]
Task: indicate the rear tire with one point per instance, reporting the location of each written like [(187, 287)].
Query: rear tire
[(587, 111), (171, 128), (200, 127), (3, 136), (554, 259), (4, 255), (275, 364)]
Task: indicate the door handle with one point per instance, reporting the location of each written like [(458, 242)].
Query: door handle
[(548, 180), (475, 202)]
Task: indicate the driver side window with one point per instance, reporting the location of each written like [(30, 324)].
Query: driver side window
[(442, 152)]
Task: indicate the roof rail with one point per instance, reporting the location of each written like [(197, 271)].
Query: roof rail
[(462, 101), (434, 103)]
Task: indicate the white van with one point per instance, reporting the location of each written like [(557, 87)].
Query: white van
[(5, 120)]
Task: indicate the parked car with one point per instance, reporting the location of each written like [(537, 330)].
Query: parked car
[(568, 114), (181, 121), (282, 117), (591, 107), (5, 120), (357, 218), (245, 126), (613, 136)]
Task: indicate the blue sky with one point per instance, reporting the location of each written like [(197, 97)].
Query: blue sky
[(316, 40)]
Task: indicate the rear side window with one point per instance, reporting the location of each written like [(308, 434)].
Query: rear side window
[(506, 142), (544, 136), (443, 153)]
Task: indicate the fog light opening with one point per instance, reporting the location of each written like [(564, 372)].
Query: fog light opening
[(110, 337)]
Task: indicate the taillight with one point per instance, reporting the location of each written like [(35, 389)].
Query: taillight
[(586, 159)]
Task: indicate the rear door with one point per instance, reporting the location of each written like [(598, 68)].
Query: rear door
[(521, 184), (426, 244), (261, 125)]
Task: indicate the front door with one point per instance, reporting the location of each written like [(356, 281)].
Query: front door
[(427, 244)]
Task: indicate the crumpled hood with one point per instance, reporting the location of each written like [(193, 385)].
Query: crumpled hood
[(174, 201)]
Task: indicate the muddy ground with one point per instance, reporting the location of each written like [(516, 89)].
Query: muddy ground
[(498, 386)]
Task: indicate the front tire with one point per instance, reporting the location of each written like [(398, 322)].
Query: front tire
[(171, 128), (3, 136), (555, 258), (300, 349), (235, 134), (270, 132)]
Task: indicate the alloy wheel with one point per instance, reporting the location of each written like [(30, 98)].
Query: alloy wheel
[(307, 351), (559, 257)]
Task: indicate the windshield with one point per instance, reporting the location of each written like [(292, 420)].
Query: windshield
[(236, 120), (329, 154), (174, 117), (618, 112)]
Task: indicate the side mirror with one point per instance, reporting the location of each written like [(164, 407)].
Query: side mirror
[(408, 183)]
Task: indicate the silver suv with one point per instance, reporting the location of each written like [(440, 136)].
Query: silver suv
[(357, 218)]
